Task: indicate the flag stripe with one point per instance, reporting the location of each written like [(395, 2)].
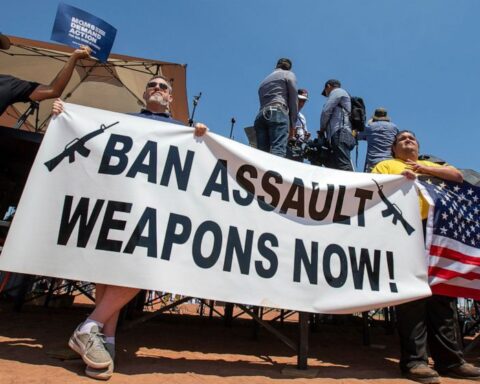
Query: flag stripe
[(447, 274), (460, 282), (455, 291), (451, 265), (454, 255)]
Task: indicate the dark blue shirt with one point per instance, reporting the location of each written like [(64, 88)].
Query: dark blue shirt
[(165, 117)]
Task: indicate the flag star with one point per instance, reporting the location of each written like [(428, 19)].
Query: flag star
[(467, 232), (455, 234), (450, 210), (455, 220), (478, 236), (456, 188), (444, 215), (443, 230), (462, 197), (475, 211), (444, 203), (475, 198), (429, 181), (472, 228), (470, 203), (442, 185), (470, 191), (450, 225), (463, 238), (472, 242)]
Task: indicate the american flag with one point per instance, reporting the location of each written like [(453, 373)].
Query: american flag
[(453, 237)]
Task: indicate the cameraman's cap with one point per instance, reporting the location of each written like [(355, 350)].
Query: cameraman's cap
[(380, 114), (4, 41), (333, 83), (303, 94)]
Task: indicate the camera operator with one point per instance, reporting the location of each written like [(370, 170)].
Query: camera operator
[(335, 123), (301, 132)]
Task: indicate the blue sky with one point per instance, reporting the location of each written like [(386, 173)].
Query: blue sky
[(419, 59)]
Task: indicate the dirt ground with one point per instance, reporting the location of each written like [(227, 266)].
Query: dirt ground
[(188, 349)]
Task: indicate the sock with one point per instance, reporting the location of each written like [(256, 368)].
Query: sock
[(87, 325), (110, 340)]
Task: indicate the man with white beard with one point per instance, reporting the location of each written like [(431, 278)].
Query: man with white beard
[(94, 339), (158, 96)]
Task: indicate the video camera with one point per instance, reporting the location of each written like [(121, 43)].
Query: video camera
[(316, 151)]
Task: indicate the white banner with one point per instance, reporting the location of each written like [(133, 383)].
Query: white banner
[(122, 200)]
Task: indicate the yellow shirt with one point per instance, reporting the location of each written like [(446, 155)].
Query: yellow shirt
[(396, 167)]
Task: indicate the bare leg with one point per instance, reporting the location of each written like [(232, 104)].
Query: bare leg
[(99, 291), (86, 341), (110, 300), (110, 326)]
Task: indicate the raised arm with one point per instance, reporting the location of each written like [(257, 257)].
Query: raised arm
[(56, 87)]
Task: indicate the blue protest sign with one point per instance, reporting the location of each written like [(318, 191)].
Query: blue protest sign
[(75, 27)]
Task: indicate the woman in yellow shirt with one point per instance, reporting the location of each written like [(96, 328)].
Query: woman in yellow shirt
[(431, 321)]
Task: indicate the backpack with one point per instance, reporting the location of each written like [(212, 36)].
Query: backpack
[(358, 114)]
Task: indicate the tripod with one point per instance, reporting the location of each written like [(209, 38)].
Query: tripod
[(195, 103), (30, 111)]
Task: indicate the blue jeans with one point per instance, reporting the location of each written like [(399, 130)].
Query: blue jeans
[(271, 126), (342, 142)]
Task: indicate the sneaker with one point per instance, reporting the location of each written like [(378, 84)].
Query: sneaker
[(90, 346), (103, 373), (422, 373), (463, 371)]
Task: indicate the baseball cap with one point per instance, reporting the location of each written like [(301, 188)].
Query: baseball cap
[(333, 83), (303, 94)]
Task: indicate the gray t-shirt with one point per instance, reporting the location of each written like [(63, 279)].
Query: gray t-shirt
[(280, 87), (336, 112)]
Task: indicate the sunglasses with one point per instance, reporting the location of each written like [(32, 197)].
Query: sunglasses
[(153, 84)]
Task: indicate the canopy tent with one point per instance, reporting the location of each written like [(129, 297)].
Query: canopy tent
[(117, 85)]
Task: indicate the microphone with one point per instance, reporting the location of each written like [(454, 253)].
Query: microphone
[(233, 121)]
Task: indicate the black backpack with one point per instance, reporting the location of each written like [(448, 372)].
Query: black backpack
[(358, 114)]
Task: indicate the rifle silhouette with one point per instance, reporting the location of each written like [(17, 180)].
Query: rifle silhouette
[(76, 145), (392, 209)]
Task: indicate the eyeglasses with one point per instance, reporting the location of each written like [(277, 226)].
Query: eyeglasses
[(153, 84)]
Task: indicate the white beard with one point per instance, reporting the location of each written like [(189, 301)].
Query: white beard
[(159, 99)]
